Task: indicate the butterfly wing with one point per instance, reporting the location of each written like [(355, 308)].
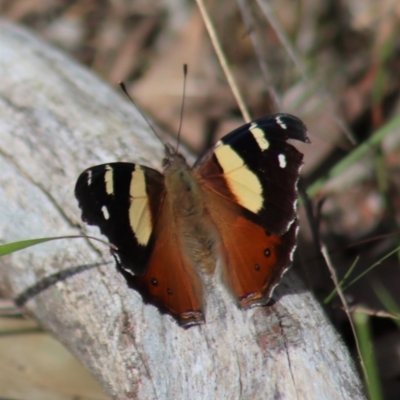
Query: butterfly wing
[(123, 200), (171, 283), (127, 202), (255, 167), (249, 179), (249, 183), (253, 259)]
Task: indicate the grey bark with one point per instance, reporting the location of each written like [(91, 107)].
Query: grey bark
[(56, 119)]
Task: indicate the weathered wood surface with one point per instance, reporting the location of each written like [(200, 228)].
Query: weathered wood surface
[(56, 119)]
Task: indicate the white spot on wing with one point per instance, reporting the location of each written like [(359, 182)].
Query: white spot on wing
[(105, 212), (291, 255), (127, 270), (259, 135), (89, 177), (280, 122), (119, 262), (243, 183), (282, 160), (109, 180), (117, 258), (139, 210)]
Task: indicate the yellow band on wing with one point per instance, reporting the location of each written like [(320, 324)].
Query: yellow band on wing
[(243, 183), (139, 210)]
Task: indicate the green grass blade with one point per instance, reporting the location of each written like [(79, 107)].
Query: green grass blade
[(373, 384), (379, 262), (387, 300), (9, 248), (355, 155), (329, 298), (343, 281)]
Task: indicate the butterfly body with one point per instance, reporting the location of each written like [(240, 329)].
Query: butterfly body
[(234, 209), (188, 210)]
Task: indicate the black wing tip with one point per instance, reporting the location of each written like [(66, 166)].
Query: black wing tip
[(81, 185), (294, 126)]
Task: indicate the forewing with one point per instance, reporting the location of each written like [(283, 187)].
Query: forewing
[(123, 200), (255, 167)]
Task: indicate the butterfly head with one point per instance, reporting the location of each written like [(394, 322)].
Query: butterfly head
[(172, 160)]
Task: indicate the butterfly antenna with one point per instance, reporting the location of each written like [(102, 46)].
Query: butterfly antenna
[(123, 87), (185, 71)]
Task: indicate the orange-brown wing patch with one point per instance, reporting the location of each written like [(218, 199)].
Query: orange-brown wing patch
[(253, 260), (171, 283)]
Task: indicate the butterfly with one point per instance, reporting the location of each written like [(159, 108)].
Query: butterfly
[(232, 214)]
